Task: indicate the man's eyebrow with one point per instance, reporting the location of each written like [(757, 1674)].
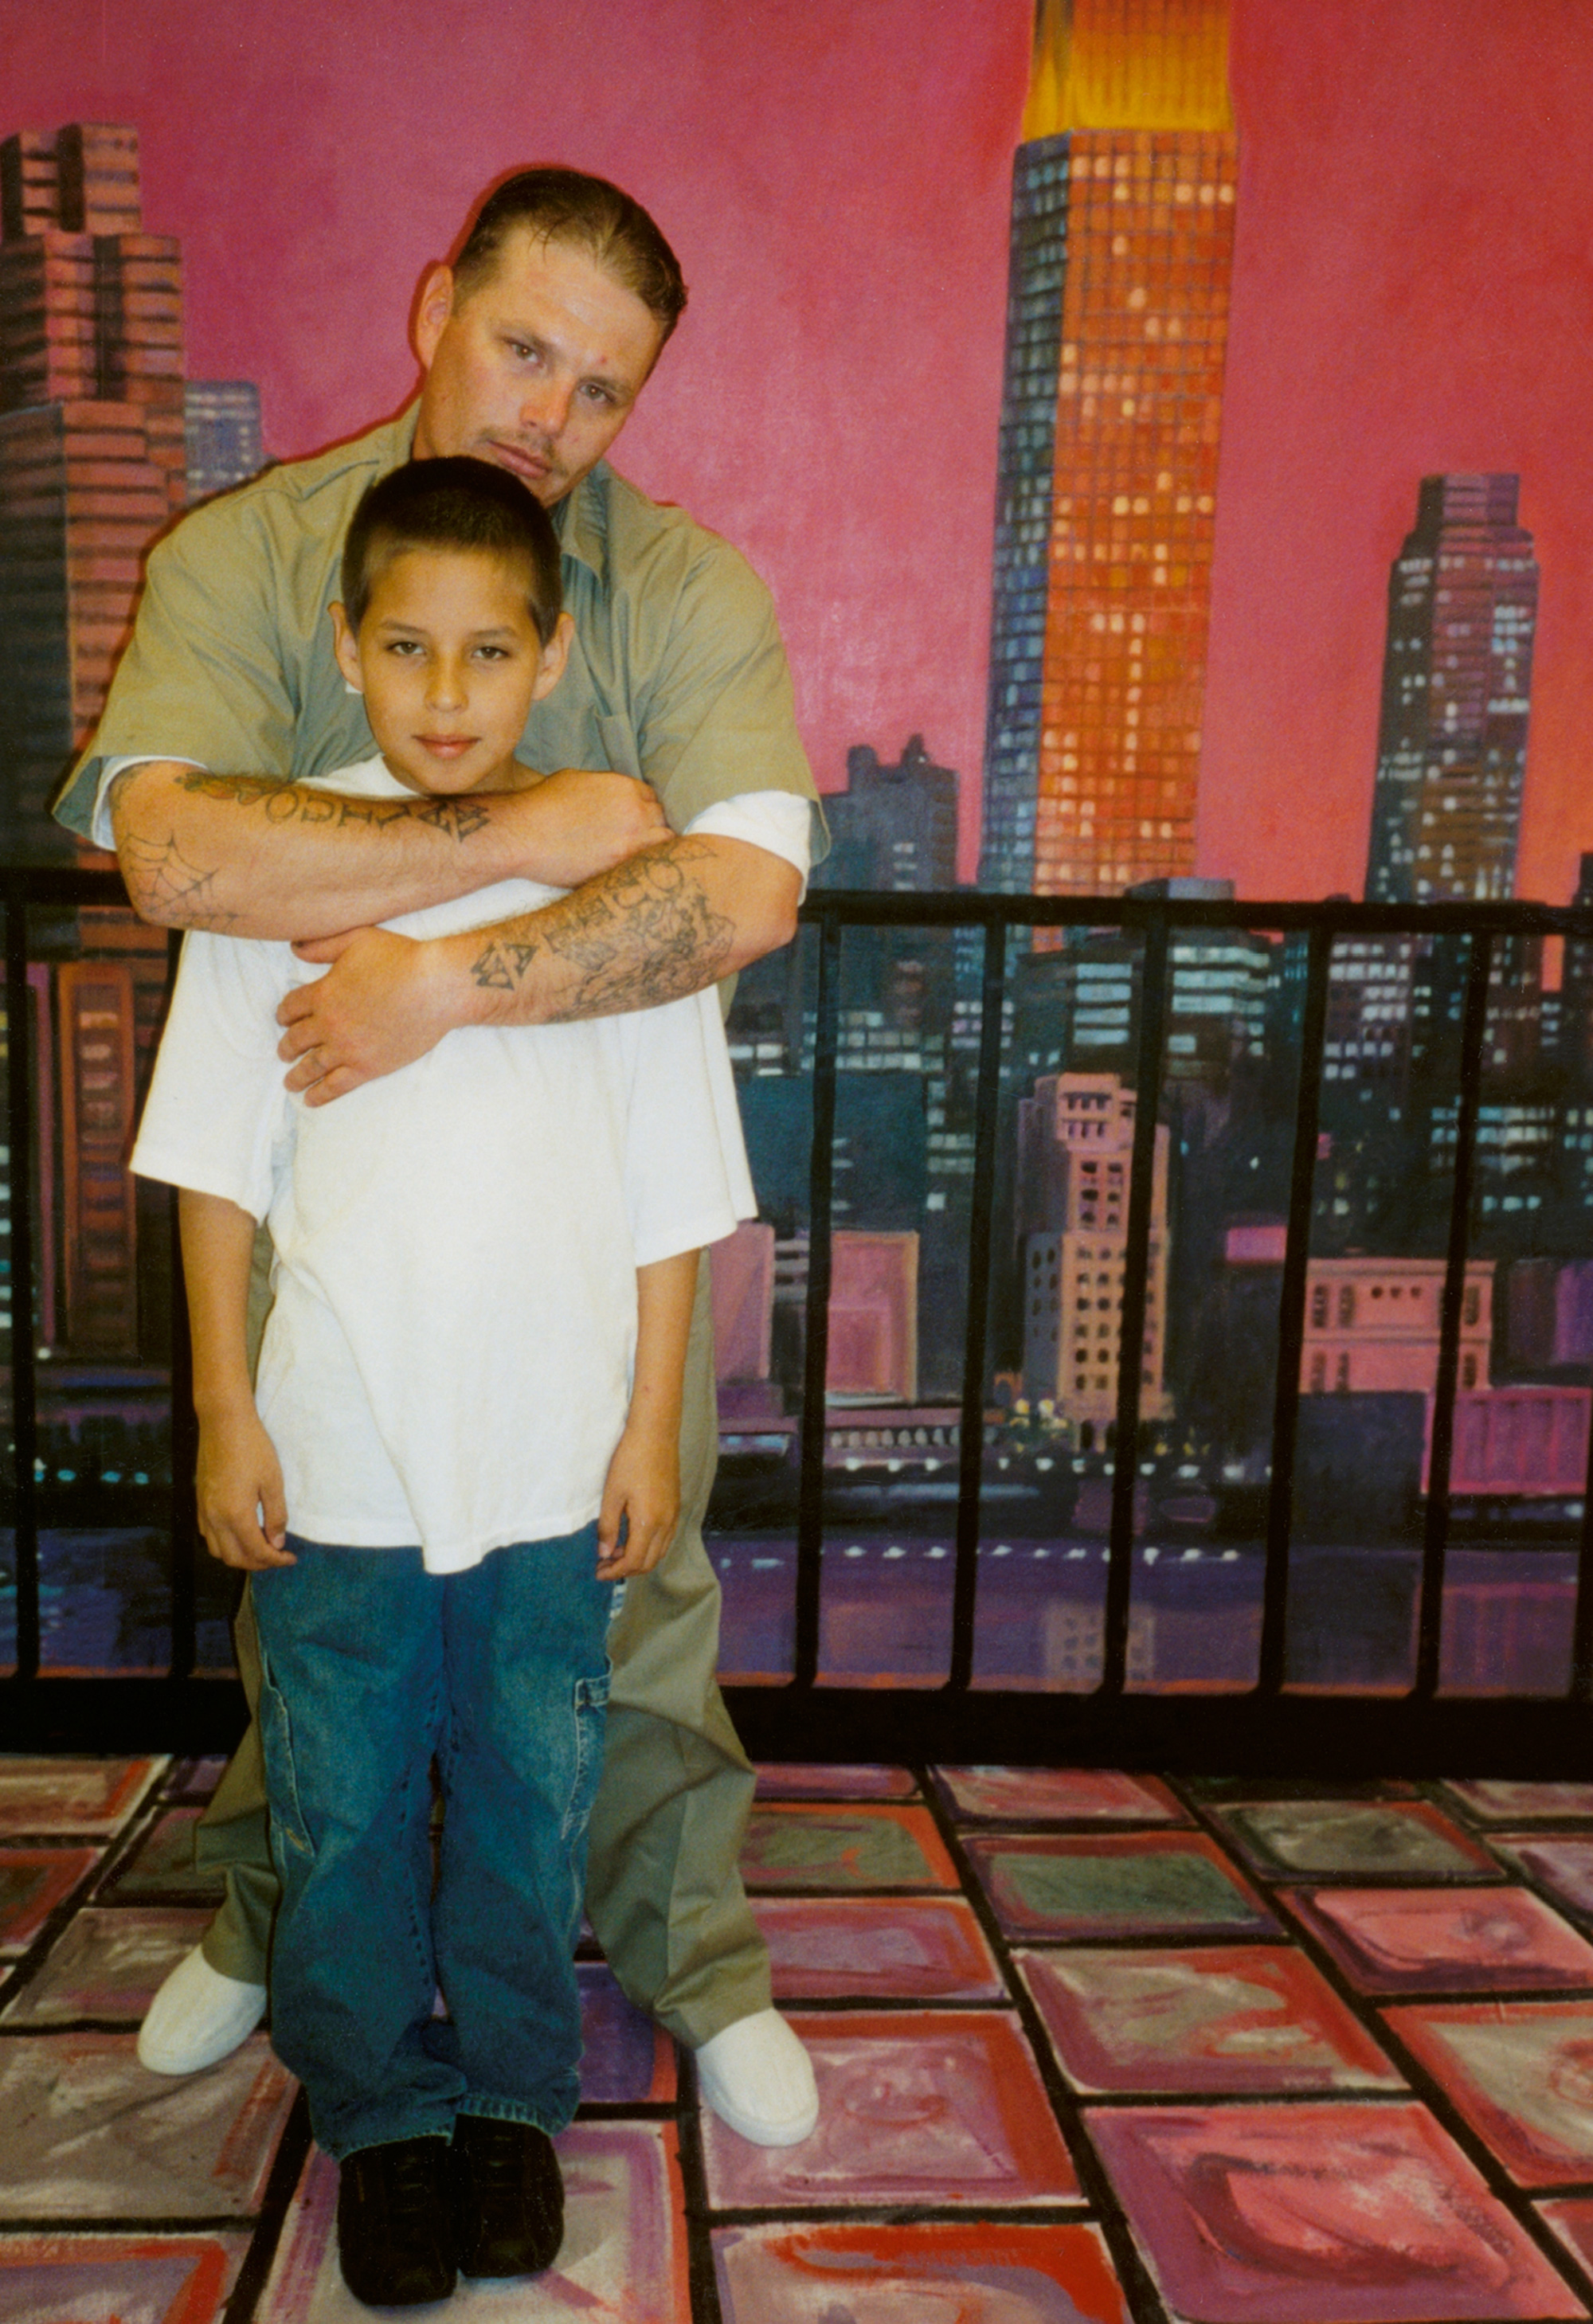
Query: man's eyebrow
[(541, 345)]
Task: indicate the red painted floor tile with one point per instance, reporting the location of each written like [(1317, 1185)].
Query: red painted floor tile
[(1055, 1795), (980, 2273), (877, 1948), (153, 2279), (1560, 1863), (1320, 2214), (1523, 1803), (1522, 2074), (932, 2107), (844, 1847), (33, 1882), (88, 1796), (1231, 2018), (789, 1779), (1397, 1941)]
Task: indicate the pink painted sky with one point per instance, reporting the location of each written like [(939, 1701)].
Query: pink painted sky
[(1413, 291)]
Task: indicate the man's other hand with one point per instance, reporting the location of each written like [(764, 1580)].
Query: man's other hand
[(578, 824), (379, 1006)]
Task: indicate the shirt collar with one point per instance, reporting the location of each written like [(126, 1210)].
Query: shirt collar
[(580, 520)]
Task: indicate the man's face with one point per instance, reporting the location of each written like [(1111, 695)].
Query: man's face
[(448, 659), (535, 370)]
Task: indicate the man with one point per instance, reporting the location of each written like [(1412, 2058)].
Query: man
[(687, 850)]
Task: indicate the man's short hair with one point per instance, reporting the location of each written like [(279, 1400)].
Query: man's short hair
[(588, 213), (454, 503)]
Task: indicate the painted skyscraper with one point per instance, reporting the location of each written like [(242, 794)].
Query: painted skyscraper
[(1121, 253), (1457, 676), (92, 455)]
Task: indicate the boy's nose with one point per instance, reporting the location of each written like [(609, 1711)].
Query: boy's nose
[(444, 686)]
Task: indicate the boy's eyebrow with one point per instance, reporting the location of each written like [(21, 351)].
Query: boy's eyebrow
[(390, 621)]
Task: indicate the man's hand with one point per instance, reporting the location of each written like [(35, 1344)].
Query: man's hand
[(641, 1492), (380, 1005), (243, 1511), (578, 824)]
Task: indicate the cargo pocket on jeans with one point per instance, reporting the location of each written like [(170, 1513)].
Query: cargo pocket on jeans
[(590, 1708), (281, 1779)]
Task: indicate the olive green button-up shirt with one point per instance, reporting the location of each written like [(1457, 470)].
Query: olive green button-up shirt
[(676, 672)]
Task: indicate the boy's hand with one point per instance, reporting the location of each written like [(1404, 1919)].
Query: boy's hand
[(378, 1007), (579, 824), (242, 1511), (643, 1488)]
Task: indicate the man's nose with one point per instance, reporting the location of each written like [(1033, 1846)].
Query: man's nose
[(546, 406)]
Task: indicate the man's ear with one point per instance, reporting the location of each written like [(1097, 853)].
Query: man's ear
[(346, 645), (436, 305), (555, 653)]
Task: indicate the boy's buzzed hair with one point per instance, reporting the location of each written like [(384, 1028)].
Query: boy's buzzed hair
[(453, 503), (588, 213)]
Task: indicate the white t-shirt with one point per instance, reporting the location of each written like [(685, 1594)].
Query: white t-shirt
[(449, 1354)]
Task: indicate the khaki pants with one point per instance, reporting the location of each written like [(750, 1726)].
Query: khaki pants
[(663, 1888)]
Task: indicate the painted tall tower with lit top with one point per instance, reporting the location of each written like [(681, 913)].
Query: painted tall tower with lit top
[(1122, 257)]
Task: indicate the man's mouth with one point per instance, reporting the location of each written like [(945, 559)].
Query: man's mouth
[(533, 467)]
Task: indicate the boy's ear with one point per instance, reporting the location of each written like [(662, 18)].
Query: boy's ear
[(555, 653), (345, 644)]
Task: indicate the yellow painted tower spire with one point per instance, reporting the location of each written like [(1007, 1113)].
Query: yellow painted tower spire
[(1129, 64)]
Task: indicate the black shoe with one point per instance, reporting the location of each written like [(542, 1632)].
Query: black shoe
[(394, 2232), (507, 2197)]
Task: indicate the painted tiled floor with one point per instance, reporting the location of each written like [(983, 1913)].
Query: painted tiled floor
[(1090, 2047)]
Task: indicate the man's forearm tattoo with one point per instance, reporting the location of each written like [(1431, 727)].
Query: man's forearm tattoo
[(644, 934), (167, 888), (456, 818)]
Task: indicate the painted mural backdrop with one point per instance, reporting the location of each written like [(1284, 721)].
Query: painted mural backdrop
[(1271, 362)]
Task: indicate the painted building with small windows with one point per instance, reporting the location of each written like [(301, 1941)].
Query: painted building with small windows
[(1123, 204), (1372, 1326), (1457, 680), (1075, 1149)]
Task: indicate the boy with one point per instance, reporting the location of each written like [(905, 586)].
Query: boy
[(463, 1433)]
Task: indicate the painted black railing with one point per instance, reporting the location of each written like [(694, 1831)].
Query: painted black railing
[(1267, 1725)]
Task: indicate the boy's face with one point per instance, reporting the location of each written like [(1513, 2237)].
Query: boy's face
[(449, 662)]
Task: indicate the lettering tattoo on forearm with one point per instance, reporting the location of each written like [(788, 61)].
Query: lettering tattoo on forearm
[(644, 934), (456, 818)]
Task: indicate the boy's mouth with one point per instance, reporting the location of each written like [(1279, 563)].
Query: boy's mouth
[(447, 746)]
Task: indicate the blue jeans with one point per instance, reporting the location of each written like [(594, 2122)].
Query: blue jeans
[(373, 1669)]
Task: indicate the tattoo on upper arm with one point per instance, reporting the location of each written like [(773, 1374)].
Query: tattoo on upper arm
[(456, 819), (644, 934)]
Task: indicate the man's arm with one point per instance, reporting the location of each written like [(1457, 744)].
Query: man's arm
[(249, 856), (670, 921)]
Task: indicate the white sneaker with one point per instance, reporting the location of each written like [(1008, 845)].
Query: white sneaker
[(197, 2018), (758, 2079)]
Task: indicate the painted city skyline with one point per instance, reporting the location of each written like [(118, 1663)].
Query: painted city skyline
[(1130, 169), (1404, 302)]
